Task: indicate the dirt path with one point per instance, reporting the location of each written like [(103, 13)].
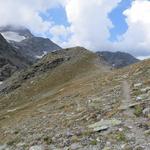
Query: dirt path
[(131, 120), (126, 93)]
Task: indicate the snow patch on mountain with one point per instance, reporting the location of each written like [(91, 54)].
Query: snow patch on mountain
[(41, 56), (13, 36)]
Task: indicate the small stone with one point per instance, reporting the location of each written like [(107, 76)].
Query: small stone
[(66, 143), (137, 84), (69, 133), (139, 98), (147, 132), (98, 139), (37, 147), (142, 97), (108, 143), (106, 148), (130, 127), (146, 112), (79, 132), (51, 146), (123, 146), (75, 146), (145, 90), (139, 148), (12, 110), (20, 144), (3, 147), (120, 129), (32, 82)]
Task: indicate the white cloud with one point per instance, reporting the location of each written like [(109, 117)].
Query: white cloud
[(89, 22), (136, 40), (60, 34), (90, 26), (143, 57), (26, 13)]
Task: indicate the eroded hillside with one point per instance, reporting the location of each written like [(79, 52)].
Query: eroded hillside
[(72, 100)]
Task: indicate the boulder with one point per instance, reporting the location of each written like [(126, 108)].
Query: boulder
[(104, 124), (3, 147), (146, 112)]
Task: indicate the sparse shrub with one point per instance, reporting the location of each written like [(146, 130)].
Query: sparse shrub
[(16, 132), (136, 92), (94, 142), (13, 141), (47, 140), (74, 139), (120, 136), (87, 133), (138, 111)]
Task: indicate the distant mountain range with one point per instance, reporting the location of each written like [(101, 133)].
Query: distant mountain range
[(118, 59), (19, 48)]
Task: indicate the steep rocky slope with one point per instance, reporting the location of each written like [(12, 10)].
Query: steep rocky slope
[(118, 59), (72, 100), (66, 64), (10, 59), (35, 47), (26, 43)]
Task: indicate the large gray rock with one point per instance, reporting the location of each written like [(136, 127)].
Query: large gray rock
[(3, 147), (104, 124)]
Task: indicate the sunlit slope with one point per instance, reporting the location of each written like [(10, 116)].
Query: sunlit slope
[(48, 76), (73, 96)]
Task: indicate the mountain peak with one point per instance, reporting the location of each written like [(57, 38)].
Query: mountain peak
[(26, 43), (10, 32)]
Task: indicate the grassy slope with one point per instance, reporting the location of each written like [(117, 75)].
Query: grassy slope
[(74, 93), (43, 88)]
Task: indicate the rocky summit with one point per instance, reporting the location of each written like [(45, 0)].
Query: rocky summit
[(30, 46), (19, 48), (72, 99)]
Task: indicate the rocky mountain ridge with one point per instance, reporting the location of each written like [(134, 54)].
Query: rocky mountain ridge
[(19, 48), (118, 59), (10, 59), (71, 99), (27, 44)]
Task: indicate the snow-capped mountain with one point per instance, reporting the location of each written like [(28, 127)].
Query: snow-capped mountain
[(29, 45), (10, 59), (17, 34)]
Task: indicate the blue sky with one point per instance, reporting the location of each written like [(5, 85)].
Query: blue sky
[(118, 19), (85, 23), (121, 28), (58, 16)]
